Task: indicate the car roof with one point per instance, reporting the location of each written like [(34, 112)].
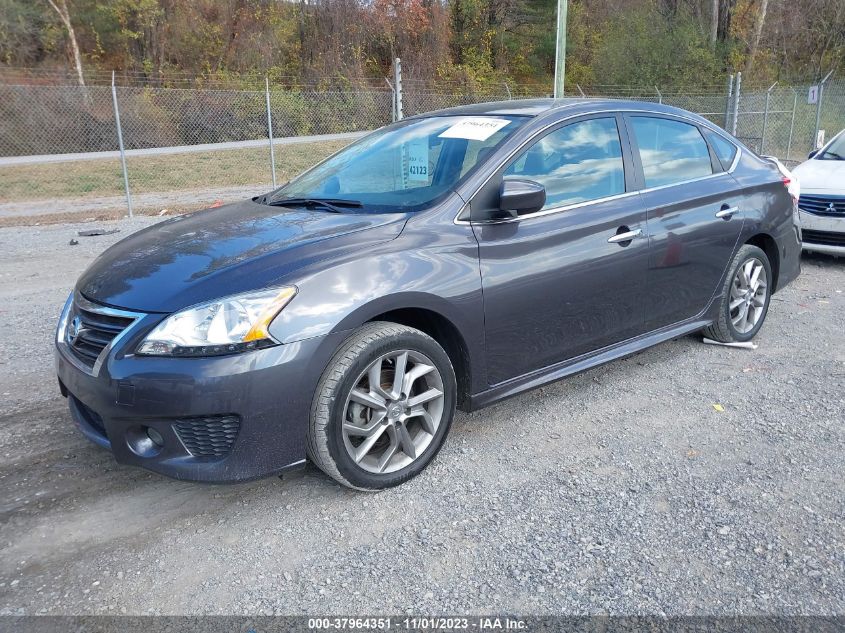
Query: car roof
[(517, 107), (552, 107)]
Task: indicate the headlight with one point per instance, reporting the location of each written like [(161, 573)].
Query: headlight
[(232, 324), (62, 326)]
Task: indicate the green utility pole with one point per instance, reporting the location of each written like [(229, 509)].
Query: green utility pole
[(560, 48)]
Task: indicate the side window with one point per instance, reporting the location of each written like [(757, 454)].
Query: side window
[(670, 151), (724, 149), (575, 163)]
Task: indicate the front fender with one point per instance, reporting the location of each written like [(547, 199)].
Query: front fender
[(401, 301), (413, 271)]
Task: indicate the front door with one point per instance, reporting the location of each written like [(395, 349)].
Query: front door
[(694, 217), (560, 282)]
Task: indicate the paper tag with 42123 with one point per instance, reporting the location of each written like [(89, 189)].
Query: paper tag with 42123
[(418, 160)]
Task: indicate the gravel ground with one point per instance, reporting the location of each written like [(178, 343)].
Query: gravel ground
[(27, 212), (622, 490)]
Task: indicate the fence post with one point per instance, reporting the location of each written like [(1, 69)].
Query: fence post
[(819, 108), (792, 124), (397, 77), (392, 100), (737, 92), (120, 145), (728, 101), (766, 119), (508, 90), (270, 129), (581, 91), (659, 96)]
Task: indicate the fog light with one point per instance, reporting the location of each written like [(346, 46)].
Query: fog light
[(155, 436), (144, 441)]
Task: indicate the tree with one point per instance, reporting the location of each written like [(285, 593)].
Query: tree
[(726, 10), (60, 7), (755, 38), (477, 43), (714, 22)]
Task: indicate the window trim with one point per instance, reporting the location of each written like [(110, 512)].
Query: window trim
[(626, 147)]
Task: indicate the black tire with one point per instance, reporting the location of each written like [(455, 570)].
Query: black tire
[(723, 329), (325, 444)]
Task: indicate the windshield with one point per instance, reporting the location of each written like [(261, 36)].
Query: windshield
[(834, 151), (403, 167)]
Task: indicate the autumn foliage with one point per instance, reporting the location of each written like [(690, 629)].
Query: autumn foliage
[(338, 43)]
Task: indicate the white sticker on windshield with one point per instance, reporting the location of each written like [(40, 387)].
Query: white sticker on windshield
[(475, 128), (418, 160)]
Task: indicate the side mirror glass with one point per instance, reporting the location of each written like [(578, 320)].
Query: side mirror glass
[(518, 196), (813, 153)]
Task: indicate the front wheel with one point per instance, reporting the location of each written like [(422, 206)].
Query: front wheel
[(745, 297), (382, 408)]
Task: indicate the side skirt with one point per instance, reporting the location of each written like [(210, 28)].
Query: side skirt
[(552, 373)]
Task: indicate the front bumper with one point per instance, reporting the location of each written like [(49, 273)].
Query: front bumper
[(219, 419), (823, 234)]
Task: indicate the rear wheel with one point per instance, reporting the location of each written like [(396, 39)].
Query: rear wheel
[(383, 407), (745, 297)]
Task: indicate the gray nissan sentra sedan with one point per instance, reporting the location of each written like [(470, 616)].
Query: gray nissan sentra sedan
[(449, 260)]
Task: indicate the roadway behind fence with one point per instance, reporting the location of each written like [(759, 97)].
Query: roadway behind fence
[(190, 148)]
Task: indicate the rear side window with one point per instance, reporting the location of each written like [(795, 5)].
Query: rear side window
[(724, 149), (576, 163), (670, 151)]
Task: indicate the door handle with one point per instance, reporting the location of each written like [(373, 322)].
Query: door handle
[(624, 237), (727, 214)]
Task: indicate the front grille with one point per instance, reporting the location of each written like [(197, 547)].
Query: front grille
[(831, 206), (90, 329), (211, 436), (822, 238)]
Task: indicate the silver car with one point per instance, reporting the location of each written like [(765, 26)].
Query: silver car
[(822, 200)]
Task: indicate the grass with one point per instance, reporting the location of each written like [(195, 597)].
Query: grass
[(159, 174)]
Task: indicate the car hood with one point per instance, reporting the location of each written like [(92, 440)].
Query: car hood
[(231, 249), (823, 175)]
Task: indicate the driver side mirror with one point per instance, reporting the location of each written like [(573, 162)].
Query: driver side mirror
[(813, 153), (518, 196)]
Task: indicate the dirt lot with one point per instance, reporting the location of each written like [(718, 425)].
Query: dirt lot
[(94, 188), (622, 490)]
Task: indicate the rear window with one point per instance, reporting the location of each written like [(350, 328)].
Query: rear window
[(670, 151), (724, 149)]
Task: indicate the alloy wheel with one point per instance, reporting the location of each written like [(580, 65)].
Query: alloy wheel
[(393, 411), (748, 295)]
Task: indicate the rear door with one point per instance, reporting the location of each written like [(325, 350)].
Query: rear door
[(559, 282), (694, 211)]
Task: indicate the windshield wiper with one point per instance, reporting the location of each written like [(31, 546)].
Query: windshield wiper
[(332, 204), (834, 155)]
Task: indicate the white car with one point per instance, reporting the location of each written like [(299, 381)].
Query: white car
[(822, 201)]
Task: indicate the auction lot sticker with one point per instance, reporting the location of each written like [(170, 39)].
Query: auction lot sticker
[(475, 128), (418, 160)]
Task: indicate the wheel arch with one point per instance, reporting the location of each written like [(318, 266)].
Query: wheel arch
[(768, 245), (447, 335)]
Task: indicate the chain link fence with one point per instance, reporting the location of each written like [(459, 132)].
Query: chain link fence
[(780, 121), (187, 148)]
